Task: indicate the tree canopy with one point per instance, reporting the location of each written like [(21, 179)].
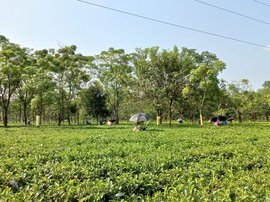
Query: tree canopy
[(63, 85)]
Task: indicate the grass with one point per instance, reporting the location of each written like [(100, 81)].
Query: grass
[(102, 163)]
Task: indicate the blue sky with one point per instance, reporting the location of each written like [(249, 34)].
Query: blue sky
[(52, 23)]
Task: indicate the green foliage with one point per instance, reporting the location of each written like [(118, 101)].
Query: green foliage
[(168, 83), (13, 59), (101, 163), (115, 73), (94, 101), (203, 82), (68, 71), (162, 75)]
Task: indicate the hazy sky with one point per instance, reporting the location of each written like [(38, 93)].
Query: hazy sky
[(41, 24)]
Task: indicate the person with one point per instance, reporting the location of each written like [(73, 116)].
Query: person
[(110, 122), (101, 122), (87, 122), (225, 123), (139, 127), (230, 119), (180, 120), (216, 123)]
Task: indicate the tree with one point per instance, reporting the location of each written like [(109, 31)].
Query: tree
[(177, 67), (203, 80), (162, 76), (94, 101), (26, 91), (68, 71), (221, 102), (150, 77), (12, 61), (262, 100), (115, 74), (239, 91), (43, 84)]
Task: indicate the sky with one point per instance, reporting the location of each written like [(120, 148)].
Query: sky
[(43, 24)]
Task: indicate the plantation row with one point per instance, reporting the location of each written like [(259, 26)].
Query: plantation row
[(101, 163)]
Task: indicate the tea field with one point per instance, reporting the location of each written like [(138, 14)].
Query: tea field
[(112, 163)]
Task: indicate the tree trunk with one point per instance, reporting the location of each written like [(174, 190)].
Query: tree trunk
[(20, 114), (117, 112), (239, 116), (45, 116), (68, 117), (96, 117), (192, 117), (5, 116), (59, 119), (170, 112), (77, 116), (267, 117), (42, 113), (117, 118), (200, 121), (25, 113), (254, 118), (159, 113)]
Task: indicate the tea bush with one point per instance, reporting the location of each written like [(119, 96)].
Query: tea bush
[(102, 163)]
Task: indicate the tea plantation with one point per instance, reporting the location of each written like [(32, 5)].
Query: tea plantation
[(112, 163)]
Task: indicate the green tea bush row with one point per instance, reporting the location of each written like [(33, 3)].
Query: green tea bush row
[(95, 163)]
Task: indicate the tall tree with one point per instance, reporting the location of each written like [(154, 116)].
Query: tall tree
[(262, 100), (94, 101), (26, 91), (239, 93), (68, 71), (44, 86), (203, 80), (12, 62), (150, 76), (177, 66), (115, 73)]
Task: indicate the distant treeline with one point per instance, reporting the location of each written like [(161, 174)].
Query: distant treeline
[(63, 85)]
